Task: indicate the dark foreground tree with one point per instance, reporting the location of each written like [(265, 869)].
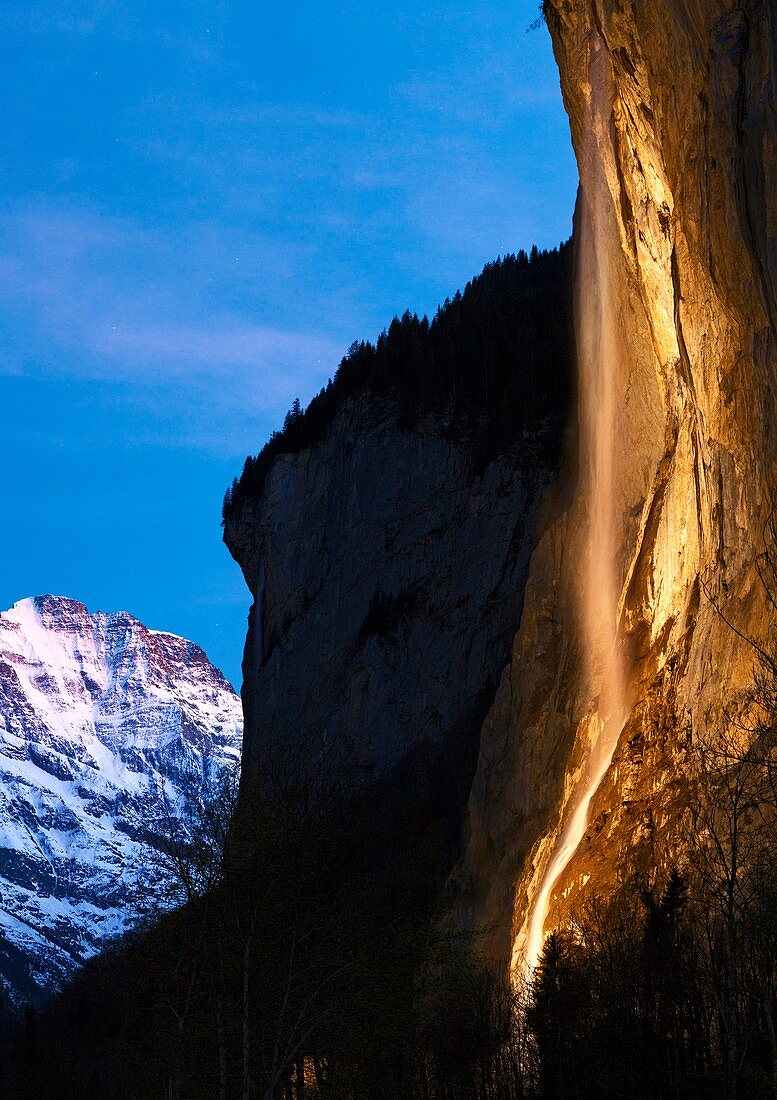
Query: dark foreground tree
[(556, 1014)]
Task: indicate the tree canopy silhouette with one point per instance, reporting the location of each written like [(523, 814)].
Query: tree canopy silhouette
[(494, 365)]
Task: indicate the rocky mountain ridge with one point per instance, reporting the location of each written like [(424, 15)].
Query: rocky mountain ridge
[(106, 728)]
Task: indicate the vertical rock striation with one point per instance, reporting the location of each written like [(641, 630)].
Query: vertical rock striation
[(686, 240)]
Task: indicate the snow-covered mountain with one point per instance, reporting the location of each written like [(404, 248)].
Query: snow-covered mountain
[(103, 724)]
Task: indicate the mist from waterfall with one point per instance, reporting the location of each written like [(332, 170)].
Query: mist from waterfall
[(599, 581)]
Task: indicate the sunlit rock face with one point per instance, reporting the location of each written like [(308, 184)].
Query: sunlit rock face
[(98, 716), (387, 575), (686, 243)]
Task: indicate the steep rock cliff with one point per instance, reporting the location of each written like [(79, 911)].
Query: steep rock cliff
[(385, 534), (682, 146), (387, 577)]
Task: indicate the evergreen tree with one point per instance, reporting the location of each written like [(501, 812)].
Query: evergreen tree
[(493, 366), (558, 1002)]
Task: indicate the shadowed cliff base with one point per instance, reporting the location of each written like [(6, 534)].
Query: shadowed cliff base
[(313, 960)]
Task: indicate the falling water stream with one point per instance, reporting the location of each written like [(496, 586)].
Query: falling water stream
[(599, 581)]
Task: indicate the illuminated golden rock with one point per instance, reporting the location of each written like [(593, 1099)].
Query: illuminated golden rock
[(687, 242)]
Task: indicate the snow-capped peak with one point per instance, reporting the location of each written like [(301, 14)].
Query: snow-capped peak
[(97, 715)]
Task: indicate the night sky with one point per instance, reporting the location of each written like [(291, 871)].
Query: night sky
[(203, 205)]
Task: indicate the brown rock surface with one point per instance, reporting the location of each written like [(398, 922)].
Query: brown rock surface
[(688, 242)]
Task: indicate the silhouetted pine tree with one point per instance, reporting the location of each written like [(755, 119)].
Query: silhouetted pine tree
[(555, 1016), (494, 365)]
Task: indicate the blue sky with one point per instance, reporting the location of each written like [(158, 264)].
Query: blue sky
[(203, 204)]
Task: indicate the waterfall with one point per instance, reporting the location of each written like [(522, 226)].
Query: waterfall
[(599, 581)]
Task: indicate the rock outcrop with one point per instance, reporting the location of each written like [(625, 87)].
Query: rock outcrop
[(109, 734), (687, 152), (387, 576)]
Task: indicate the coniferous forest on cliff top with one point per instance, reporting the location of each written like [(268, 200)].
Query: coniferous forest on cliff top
[(504, 821)]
